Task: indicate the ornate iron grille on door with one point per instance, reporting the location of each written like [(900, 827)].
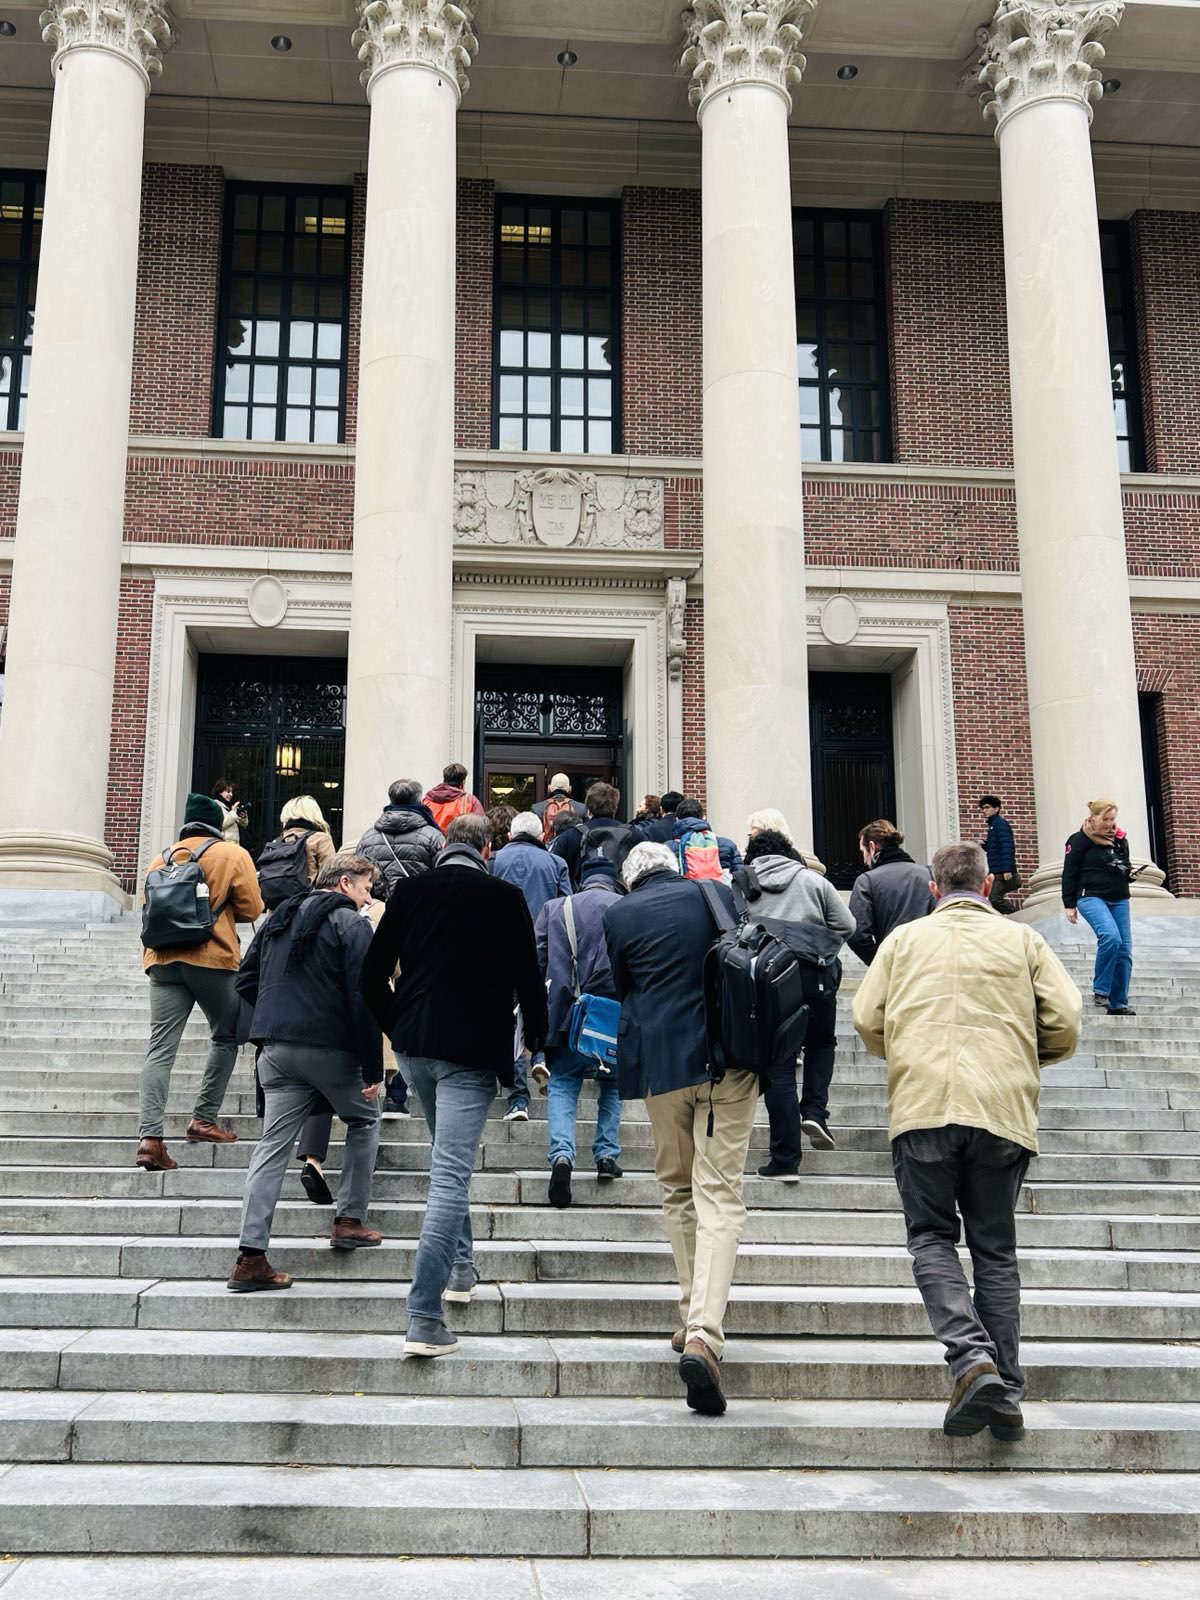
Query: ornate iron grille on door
[(556, 703), (275, 726)]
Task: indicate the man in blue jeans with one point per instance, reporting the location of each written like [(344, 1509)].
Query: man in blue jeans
[(463, 942), (573, 956)]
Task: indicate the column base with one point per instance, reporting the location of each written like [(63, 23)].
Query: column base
[(1045, 892), (57, 877)]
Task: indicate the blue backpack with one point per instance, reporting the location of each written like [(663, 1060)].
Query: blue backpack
[(594, 1020)]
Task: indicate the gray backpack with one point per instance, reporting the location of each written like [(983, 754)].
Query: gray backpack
[(179, 913)]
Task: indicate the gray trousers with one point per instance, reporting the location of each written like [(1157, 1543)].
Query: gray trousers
[(294, 1078), (941, 1172), (175, 988)]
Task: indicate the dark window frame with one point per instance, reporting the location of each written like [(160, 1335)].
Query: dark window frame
[(556, 372), (882, 382), (25, 309), (287, 277), (1126, 311)]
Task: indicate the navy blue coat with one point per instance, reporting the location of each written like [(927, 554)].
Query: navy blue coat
[(529, 866), (658, 936), (588, 907), (999, 847), (731, 856)]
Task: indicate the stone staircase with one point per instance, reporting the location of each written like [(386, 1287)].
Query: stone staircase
[(144, 1411)]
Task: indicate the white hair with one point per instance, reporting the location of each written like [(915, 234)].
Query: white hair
[(645, 858), (528, 825), (768, 820)]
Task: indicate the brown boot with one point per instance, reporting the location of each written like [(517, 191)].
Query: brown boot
[(201, 1132), (678, 1340), (152, 1157), (701, 1371), (255, 1272), (348, 1233), (975, 1394)]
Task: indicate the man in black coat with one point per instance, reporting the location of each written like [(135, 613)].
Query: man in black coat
[(320, 1046), (600, 833), (464, 943), (658, 937)]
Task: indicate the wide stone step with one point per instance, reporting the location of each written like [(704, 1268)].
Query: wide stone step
[(285, 1360), (757, 1310), (363, 1510), (336, 1430), (572, 1261)]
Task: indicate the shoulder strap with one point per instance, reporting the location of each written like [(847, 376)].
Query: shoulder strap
[(717, 909), (572, 940), (387, 839)]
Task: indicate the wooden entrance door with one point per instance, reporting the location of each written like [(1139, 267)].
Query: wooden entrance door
[(853, 769)]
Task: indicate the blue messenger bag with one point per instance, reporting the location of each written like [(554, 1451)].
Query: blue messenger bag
[(592, 1029)]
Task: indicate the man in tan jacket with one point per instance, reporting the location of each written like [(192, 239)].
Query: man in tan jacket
[(967, 1007), (200, 975)]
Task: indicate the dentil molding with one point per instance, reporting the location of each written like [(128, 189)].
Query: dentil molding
[(728, 42), (438, 34), (137, 30), (1039, 50)]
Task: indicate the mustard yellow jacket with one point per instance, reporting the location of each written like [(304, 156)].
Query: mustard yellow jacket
[(967, 1006)]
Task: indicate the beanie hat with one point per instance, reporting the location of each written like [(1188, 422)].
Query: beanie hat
[(598, 866), (200, 808)]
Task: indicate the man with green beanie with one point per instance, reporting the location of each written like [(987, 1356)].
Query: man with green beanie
[(197, 974)]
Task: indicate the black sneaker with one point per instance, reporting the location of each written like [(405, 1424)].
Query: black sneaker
[(607, 1169), (314, 1185), (1121, 1011), (1100, 1000), (818, 1133), (775, 1169), (560, 1184)]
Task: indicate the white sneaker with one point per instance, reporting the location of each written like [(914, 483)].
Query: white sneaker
[(517, 1114), (540, 1073)]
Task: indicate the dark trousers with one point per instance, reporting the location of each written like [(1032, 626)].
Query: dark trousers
[(940, 1173), (786, 1109)]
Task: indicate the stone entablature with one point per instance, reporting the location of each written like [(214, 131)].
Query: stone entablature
[(137, 30), (437, 34), (559, 508), (1040, 50), (728, 42)]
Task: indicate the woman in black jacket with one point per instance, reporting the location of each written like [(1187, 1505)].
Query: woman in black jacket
[(1095, 881)]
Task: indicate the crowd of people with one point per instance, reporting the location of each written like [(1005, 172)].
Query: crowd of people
[(454, 952)]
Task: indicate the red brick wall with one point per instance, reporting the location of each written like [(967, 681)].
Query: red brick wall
[(1168, 658), (179, 275), (947, 334), (473, 314), (693, 701), (1166, 270), (300, 505), (991, 723), (127, 748), (661, 323)]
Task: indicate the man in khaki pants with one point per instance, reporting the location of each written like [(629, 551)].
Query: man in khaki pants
[(658, 935)]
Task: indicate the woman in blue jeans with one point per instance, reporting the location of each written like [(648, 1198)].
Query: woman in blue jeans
[(1095, 883)]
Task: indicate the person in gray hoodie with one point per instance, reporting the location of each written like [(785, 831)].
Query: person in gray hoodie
[(777, 886)]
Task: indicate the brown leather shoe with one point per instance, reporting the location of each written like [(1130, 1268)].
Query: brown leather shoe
[(200, 1132), (348, 1233), (975, 1394), (255, 1272), (152, 1156), (678, 1340), (701, 1371)]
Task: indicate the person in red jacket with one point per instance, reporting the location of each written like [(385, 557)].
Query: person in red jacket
[(449, 799)]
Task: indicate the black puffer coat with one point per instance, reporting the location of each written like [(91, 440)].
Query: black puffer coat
[(403, 841)]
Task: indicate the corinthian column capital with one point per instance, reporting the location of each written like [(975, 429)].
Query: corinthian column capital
[(137, 30), (730, 42), (436, 34), (1043, 50)]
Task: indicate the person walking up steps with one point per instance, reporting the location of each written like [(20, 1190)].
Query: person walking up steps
[(197, 892), (450, 799), (894, 889), (464, 945), (1095, 882), (1001, 851), (319, 1045), (967, 1006)]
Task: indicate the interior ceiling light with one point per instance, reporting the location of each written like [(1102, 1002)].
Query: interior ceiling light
[(847, 72), (566, 58), (282, 43), (8, 28), (1111, 85)]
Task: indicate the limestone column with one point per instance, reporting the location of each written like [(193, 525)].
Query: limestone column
[(1040, 77), (54, 734), (415, 55), (743, 63)]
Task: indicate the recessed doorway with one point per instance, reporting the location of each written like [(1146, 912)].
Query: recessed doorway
[(853, 764), (533, 721)]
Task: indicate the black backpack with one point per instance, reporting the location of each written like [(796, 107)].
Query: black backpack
[(179, 913), (756, 1012), (283, 869), (815, 947)]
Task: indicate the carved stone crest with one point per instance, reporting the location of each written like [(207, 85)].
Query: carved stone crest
[(559, 508)]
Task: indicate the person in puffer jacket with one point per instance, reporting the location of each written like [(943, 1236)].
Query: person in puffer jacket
[(404, 839), (893, 890), (792, 892)]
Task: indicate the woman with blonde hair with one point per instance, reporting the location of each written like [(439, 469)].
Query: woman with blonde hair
[(1095, 881), (302, 816)]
